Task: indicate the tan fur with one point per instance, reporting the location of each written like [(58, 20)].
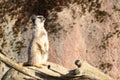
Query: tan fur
[(42, 34), (39, 45)]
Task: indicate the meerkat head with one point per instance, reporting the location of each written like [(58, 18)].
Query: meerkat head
[(38, 20)]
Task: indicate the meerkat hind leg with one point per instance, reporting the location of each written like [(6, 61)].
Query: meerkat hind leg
[(44, 60)]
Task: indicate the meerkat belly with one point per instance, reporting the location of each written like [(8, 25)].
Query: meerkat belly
[(42, 41), (35, 55), (39, 49)]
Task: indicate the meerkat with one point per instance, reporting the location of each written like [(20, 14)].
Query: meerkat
[(39, 45)]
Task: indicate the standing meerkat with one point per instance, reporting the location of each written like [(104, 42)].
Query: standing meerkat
[(39, 45)]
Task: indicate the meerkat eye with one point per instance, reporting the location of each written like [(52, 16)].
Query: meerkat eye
[(40, 17)]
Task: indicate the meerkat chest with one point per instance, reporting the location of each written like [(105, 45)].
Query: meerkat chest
[(40, 34)]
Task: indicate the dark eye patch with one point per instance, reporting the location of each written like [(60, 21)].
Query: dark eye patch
[(33, 20), (40, 17)]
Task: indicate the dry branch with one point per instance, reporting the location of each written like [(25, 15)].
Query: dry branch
[(18, 67), (57, 71), (90, 71)]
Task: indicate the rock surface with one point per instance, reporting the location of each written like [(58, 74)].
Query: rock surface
[(78, 29)]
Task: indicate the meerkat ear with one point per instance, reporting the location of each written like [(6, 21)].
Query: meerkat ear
[(44, 19)]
